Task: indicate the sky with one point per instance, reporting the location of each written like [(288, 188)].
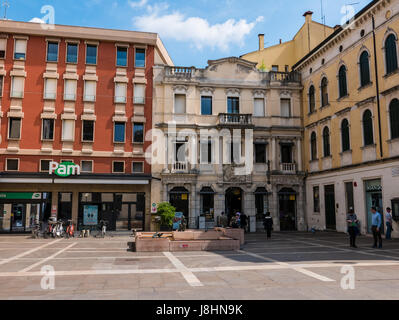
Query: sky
[(193, 31)]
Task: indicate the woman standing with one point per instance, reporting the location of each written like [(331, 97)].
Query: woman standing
[(352, 227)]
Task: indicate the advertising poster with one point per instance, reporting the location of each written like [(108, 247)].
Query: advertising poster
[(177, 220), (90, 215)]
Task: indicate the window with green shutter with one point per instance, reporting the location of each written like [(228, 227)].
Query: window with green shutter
[(394, 118), (391, 56)]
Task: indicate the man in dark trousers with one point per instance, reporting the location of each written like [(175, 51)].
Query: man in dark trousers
[(376, 227), (268, 223), (244, 221)]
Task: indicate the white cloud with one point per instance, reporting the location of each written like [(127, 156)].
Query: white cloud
[(37, 20), (197, 31), (138, 4)]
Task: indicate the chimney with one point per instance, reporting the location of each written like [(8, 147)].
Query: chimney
[(261, 41), (308, 16)]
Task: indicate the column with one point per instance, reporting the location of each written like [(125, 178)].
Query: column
[(299, 153), (54, 203), (75, 207), (274, 154), (166, 153)]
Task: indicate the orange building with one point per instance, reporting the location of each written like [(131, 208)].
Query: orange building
[(82, 97)]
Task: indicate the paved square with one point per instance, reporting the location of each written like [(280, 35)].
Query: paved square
[(290, 266)]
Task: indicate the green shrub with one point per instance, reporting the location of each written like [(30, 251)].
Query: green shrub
[(167, 212)]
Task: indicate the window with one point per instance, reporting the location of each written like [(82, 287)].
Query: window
[(50, 89), (312, 100), (72, 53), (17, 87), (364, 69), (137, 167), (313, 146), (349, 196), (138, 133), (261, 203), (207, 203), (345, 134), (139, 93), (87, 166), (3, 47), (206, 152), (394, 118), (91, 54), (52, 51), (275, 68), (326, 142), (90, 91), (391, 55), (20, 49), (180, 103), (119, 132), (368, 134), (233, 105), (324, 93), (316, 199), (286, 108), (260, 153), (287, 68), (118, 167), (12, 164), (14, 131), (140, 58), (259, 107), (180, 152), (1, 85), (68, 127), (45, 165), (88, 131), (121, 57), (343, 89), (286, 153), (48, 129), (120, 92), (206, 106), (70, 90)]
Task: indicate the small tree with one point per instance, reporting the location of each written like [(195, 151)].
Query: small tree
[(167, 212)]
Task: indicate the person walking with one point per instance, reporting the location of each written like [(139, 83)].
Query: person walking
[(234, 222), (268, 223), (388, 219), (352, 227), (244, 221), (376, 226)]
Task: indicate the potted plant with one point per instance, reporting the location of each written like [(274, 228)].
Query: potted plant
[(166, 212)]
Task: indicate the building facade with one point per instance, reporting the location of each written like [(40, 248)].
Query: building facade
[(76, 104), (351, 120), (227, 138)]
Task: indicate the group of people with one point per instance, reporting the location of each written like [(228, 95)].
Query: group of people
[(376, 226), (240, 220)]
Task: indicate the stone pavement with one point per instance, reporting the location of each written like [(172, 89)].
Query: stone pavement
[(290, 266)]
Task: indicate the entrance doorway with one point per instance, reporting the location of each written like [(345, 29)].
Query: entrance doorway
[(233, 201), (374, 199), (179, 198), (329, 200), (287, 205)]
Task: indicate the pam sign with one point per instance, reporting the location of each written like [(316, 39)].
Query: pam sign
[(64, 169)]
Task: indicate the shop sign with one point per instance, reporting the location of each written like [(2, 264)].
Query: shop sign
[(20, 195), (64, 169), (372, 186), (154, 208)]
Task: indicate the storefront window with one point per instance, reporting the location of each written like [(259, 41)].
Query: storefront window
[(261, 203), (207, 203)]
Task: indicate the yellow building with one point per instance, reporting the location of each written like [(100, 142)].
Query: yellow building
[(351, 119), (283, 56)]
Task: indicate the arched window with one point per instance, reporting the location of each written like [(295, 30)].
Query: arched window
[(364, 69), (324, 92), (345, 135), (368, 128), (391, 56), (312, 100), (343, 89), (313, 145), (394, 118), (326, 142)]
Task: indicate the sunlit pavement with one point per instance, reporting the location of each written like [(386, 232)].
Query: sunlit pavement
[(290, 266)]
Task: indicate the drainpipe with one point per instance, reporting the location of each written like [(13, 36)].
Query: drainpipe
[(377, 87)]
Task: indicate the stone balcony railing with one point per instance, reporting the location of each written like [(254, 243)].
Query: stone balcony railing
[(180, 72), (282, 77), (179, 167), (289, 168), (235, 119)]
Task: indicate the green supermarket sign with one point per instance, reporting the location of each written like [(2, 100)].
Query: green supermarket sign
[(64, 169), (20, 195)]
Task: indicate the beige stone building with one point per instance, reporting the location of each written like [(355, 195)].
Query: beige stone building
[(228, 138)]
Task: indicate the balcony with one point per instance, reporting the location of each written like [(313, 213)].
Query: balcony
[(180, 72), (180, 167), (288, 168), (69, 97), (139, 100), (50, 96), (89, 98), (282, 77), (17, 94), (120, 99), (235, 119)]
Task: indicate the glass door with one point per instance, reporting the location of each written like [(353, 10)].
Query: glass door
[(18, 212)]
